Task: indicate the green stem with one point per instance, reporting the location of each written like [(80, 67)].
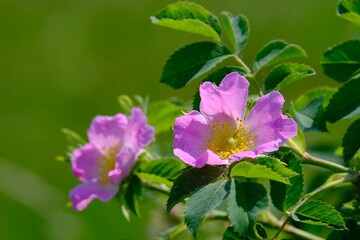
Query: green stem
[(249, 75), (311, 160)]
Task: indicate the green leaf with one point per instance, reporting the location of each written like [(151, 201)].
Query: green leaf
[(216, 77), (285, 197), (351, 140), (246, 201), (276, 51), (231, 234), (344, 101), (276, 165), (299, 141), (188, 17), (237, 30), (161, 115), (191, 62), (190, 180), (342, 61), (349, 10), (203, 201), (165, 168), (308, 109), (154, 178), (251, 170), (133, 195), (73, 137), (319, 213), (286, 74)]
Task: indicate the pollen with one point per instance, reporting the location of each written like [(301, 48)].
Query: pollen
[(106, 163), (228, 137)]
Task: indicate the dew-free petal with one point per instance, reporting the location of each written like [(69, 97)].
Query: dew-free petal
[(125, 160), (228, 98), (84, 162)]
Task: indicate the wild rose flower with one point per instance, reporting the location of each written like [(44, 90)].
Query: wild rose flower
[(220, 133), (114, 145)]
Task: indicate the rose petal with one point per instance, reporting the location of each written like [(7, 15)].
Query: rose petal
[(125, 160), (189, 133), (271, 128), (229, 98), (84, 162), (241, 155), (107, 132), (84, 193)]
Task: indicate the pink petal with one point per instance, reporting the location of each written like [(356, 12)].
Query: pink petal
[(125, 160), (271, 128), (84, 162), (139, 133), (229, 98), (189, 133), (241, 155), (84, 193), (106, 132)]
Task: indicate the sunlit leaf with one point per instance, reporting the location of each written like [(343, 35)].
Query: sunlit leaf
[(342, 61), (201, 202), (276, 51), (161, 115), (191, 62), (188, 17), (350, 10), (237, 30), (165, 168)]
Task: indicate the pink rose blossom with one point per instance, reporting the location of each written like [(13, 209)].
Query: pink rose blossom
[(220, 133), (114, 145)]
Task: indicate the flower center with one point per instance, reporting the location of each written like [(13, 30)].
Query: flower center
[(106, 163), (227, 138)]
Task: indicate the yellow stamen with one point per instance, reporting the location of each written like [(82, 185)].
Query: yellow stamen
[(106, 163), (227, 138)]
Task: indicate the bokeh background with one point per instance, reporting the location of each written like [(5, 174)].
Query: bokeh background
[(64, 61)]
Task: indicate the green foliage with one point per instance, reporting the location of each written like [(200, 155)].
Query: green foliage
[(308, 109), (342, 61), (285, 197), (161, 115), (349, 10), (203, 201), (166, 168), (74, 141), (351, 140), (246, 201), (286, 74), (231, 234), (190, 180), (319, 213), (216, 77), (265, 167), (344, 101), (181, 69), (133, 195), (236, 29), (188, 17), (276, 51), (299, 141)]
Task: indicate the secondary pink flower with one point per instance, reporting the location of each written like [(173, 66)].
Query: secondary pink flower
[(114, 145), (220, 133)]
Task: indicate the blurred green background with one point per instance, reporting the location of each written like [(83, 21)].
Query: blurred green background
[(64, 61)]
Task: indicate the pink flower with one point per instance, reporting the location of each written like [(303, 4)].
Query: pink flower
[(114, 145), (220, 133)]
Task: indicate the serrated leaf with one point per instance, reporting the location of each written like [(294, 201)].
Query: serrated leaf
[(299, 141), (161, 115), (286, 74), (190, 180), (349, 10), (351, 140), (237, 30), (276, 165), (344, 101), (276, 51), (231, 234), (133, 195), (342, 61), (188, 17), (191, 62), (203, 201), (319, 213), (308, 109), (165, 168), (216, 78), (154, 178), (285, 197), (251, 170), (246, 201)]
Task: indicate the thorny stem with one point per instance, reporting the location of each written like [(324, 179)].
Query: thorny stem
[(311, 160), (348, 178), (249, 75)]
